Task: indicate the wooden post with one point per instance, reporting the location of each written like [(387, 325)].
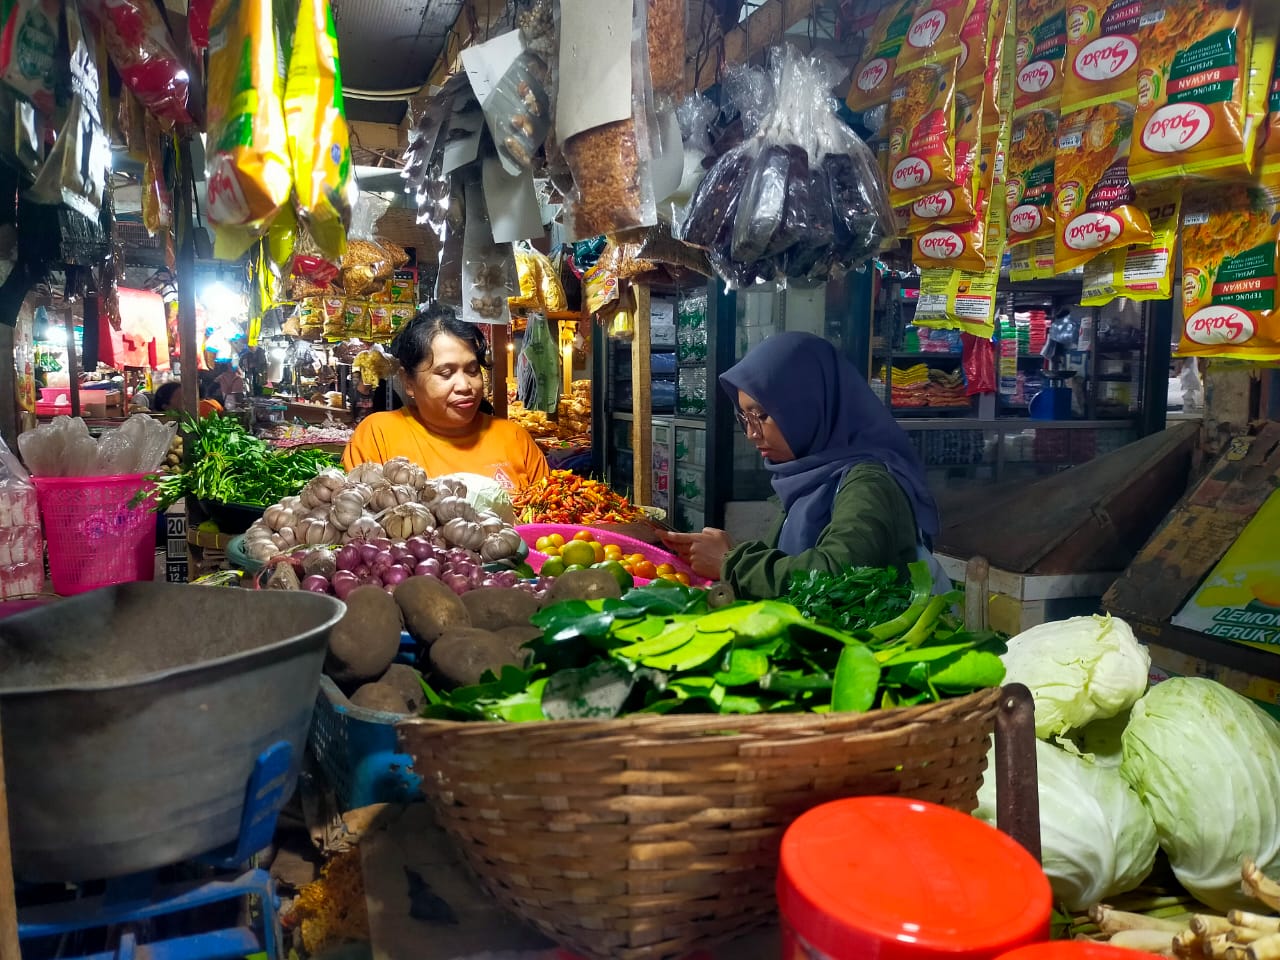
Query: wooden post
[(8, 904), (187, 333), (642, 402), (977, 594), (73, 365), (501, 368), (564, 346)]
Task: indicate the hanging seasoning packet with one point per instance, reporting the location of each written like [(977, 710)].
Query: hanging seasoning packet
[(1040, 48), (1103, 37), (882, 30), (28, 49), (1193, 74), (1095, 209), (935, 32), (1229, 235), (1029, 184), (1031, 261), (1141, 271), (922, 131), (952, 299)]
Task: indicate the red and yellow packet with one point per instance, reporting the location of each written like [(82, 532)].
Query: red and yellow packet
[(1039, 51), (1094, 208), (1141, 271), (1029, 185), (1193, 90), (1101, 64), (1229, 272), (956, 299), (961, 246), (922, 132), (1031, 261), (935, 32), (881, 29)]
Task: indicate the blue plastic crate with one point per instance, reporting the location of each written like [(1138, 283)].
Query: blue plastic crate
[(357, 750)]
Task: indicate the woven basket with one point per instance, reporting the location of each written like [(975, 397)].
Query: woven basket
[(655, 837)]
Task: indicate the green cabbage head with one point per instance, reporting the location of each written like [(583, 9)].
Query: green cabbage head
[(1078, 671), (1097, 839), (1206, 763)]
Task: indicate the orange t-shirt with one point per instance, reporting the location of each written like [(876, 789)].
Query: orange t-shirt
[(499, 448)]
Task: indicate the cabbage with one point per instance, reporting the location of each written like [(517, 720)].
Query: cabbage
[(1078, 671), (1206, 763), (485, 493), (1097, 839)]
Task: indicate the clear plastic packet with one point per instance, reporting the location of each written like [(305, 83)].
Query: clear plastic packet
[(448, 287), (21, 545), (665, 29), (694, 115), (752, 92), (145, 56), (613, 186), (488, 269)]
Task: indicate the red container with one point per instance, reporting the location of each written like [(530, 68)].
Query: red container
[(898, 879), (1077, 950)]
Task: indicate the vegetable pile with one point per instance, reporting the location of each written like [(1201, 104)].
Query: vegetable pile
[(663, 648), (394, 501), (564, 497), (230, 465)]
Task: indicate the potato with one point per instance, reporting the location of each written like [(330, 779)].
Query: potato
[(408, 682), (430, 608), (380, 696), (515, 638), (493, 608), (367, 638), (462, 656), (584, 585)]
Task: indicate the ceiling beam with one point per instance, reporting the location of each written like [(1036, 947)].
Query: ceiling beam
[(765, 26)]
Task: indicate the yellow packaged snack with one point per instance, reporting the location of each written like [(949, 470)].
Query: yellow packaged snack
[(1095, 209), (356, 314), (249, 172), (881, 28), (961, 246), (1103, 37), (1143, 271), (311, 318), (1039, 51), (380, 326), (1193, 68), (316, 123), (401, 315), (404, 287), (954, 204), (1031, 261), (1229, 234), (1029, 178), (922, 132), (934, 34)]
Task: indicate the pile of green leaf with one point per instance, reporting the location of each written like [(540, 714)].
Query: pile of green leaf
[(228, 464), (661, 650)]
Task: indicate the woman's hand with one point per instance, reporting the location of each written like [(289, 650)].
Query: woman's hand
[(704, 552)]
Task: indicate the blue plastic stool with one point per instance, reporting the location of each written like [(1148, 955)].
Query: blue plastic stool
[(136, 899)]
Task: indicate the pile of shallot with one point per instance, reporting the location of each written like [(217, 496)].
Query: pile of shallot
[(394, 501)]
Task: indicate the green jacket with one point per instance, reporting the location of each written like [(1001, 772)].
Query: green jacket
[(872, 525)]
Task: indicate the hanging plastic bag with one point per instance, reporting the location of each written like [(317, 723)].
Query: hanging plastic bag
[(28, 49), (538, 368), (143, 52), (978, 357), (316, 121), (250, 174), (488, 269)]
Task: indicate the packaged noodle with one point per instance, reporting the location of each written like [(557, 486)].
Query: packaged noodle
[(922, 131), (1229, 234), (962, 246), (1193, 67), (401, 315), (1095, 209), (1102, 52), (1029, 183), (1031, 261), (882, 30), (250, 175), (1143, 271), (1040, 49), (316, 121), (934, 34)]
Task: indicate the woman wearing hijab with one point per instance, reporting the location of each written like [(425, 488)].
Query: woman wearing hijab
[(852, 490)]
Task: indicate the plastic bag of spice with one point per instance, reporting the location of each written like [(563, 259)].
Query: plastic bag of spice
[(488, 269), (143, 52), (665, 26)]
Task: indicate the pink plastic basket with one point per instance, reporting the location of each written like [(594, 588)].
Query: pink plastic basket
[(530, 532), (95, 537)]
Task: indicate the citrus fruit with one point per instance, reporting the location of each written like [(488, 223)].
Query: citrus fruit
[(684, 578), (557, 539), (612, 551), (542, 543), (645, 570), (574, 566), (553, 567), (599, 551), (583, 535), (665, 568), (624, 579), (578, 553)]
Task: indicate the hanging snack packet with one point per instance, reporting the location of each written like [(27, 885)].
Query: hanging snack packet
[(356, 315), (934, 34), (1095, 209), (1040, 49), (1143, 271), (316, 121), (961, 246), (28, 49), (1031, 261), (1270, 163), (1029, 187), (922, 131), (1102, 52), (954, 204), (666, 39), (143, 52), (1193, 73), (882, 29), (1229, 235), (250, 174)]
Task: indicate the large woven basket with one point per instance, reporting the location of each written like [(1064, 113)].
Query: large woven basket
[(657, 836)]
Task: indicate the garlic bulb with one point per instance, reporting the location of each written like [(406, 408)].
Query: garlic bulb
[(260, 549), (347, 508), (405, 521), (402, 471), (365, 528), (367, 473), (322, 488), (451, 487), (463, 533), (388, 495), (499, 546), (314, 531), (491, 523), (451, 508)]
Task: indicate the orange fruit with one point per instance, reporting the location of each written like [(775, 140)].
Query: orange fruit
[(635, 558), (542, 543), (645, 570), (599, 549), (684, 578), (612, 551), (584, 535), (556, 539), (665, 568), (551, 550)]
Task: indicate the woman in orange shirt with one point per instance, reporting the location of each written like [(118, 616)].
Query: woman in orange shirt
[(447, 426)]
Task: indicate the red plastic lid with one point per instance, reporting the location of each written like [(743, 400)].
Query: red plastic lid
[(900, 879), (1076, 950)]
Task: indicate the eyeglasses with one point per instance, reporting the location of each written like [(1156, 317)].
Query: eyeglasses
[(752, 422)]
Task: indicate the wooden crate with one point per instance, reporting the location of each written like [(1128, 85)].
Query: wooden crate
[(1018, 601)]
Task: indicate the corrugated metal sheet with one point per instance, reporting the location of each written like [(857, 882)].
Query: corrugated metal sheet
[(389, 45)]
